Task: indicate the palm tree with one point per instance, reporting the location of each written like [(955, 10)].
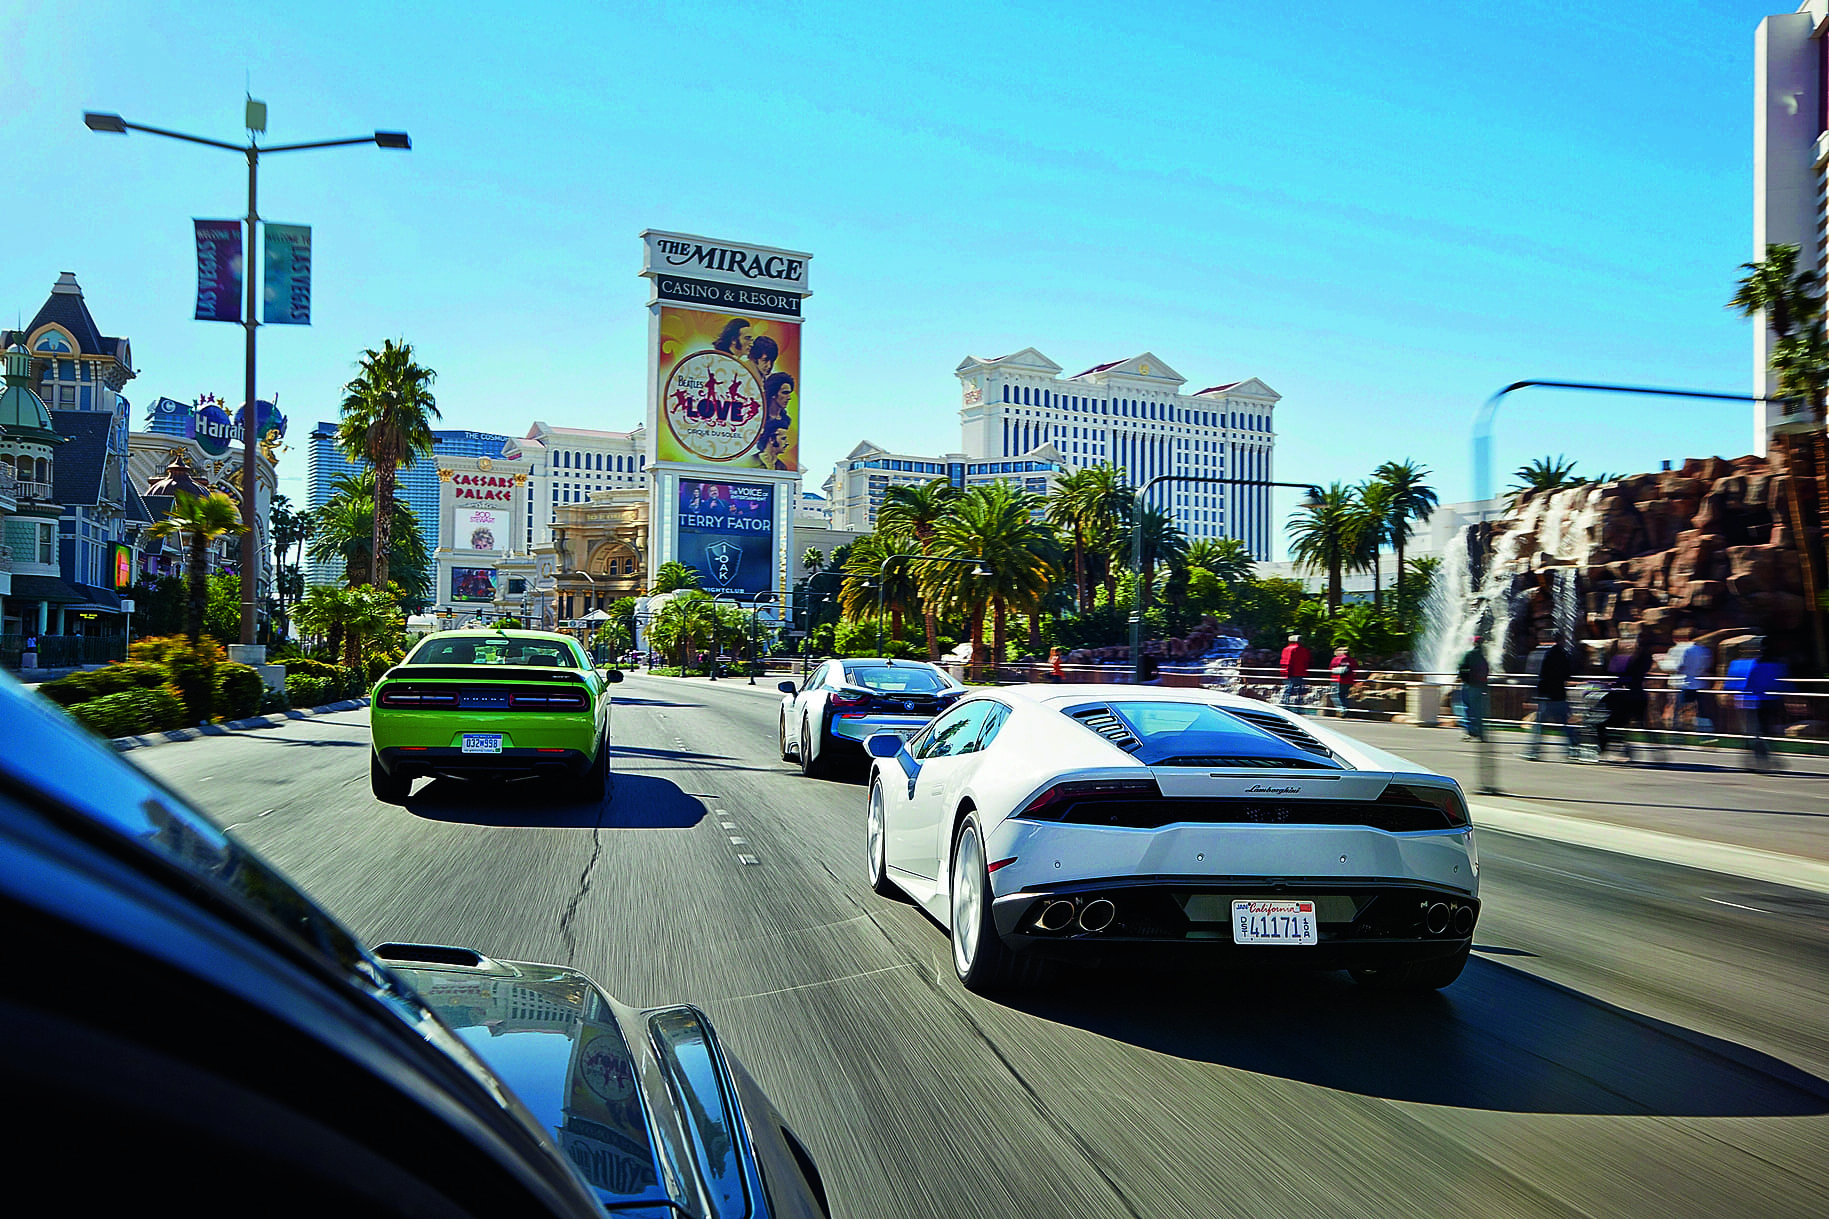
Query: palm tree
[(1543, 474), (1227, 558), (1374, 500), (813, 559), (682, 620), (387, 422), (674, 575), (205, 518), (344, 529), (283, 530), (1163, 542), (994, 524), (1066, 512), (1775, 287), (914, 512), (1108, 501), (1411, 500), (901, 591), (348, 617), (1323, 536)]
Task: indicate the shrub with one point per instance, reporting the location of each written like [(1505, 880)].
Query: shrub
[(340, 680), (192, 669), (132, 712), (124, 675), (273, 700), (238, 690), (305, 690), (380, 662)]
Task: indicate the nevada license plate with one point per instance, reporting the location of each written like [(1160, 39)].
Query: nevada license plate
[(482, 742), (1273, 922)]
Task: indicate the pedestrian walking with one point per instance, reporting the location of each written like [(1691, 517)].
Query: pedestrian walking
[(1055, 673), (1553, 667), (1626, 700), (1755, 682), (1295, 674), (1344, 676), (1689, 663), (1474, 674)]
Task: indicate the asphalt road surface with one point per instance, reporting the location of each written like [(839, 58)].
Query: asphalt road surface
[(1631, 1038)]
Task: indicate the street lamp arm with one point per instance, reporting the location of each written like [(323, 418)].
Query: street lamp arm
[(1483, 418), (125, 126), (365, 139)]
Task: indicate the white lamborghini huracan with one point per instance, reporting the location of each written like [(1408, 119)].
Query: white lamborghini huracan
[(1104, 821)]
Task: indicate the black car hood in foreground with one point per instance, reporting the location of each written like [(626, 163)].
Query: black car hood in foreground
[(644, 1104)]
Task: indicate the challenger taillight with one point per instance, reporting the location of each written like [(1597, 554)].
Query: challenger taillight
[(412, 700), (1054, 801), (549, 700)]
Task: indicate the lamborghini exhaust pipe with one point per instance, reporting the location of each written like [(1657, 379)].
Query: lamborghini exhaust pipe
[(1055, 916), (1097, 915)]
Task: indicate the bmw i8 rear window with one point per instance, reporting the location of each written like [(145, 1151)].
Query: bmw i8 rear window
[(1173, 733), (897, 679)]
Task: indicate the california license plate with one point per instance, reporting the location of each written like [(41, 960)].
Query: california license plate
[(482, 742), (1273, 922)]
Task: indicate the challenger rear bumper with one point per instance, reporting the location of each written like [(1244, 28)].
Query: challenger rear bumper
[(446, 761)]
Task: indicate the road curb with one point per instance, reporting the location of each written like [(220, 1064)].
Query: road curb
[(1749, 863), (123, 744)]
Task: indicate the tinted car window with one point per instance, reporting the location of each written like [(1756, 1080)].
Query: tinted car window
[(1200, 734), (543, 653), (956, 732), (897, 679), (992, 724)]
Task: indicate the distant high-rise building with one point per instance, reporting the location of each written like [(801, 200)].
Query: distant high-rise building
[(418, 481)]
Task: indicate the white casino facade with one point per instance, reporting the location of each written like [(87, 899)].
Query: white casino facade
[(1132, 414)]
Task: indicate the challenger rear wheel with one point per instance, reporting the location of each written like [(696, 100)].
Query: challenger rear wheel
[(593, 786), (389, 789)]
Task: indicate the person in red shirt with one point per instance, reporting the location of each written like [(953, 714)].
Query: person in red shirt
[(1344, 676), (1295, 673)]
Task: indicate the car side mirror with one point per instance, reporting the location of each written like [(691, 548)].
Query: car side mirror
[(613, 676), (788, 687), (883, 744)]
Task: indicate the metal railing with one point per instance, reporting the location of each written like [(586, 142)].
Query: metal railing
[(62, 651), (24, 489)]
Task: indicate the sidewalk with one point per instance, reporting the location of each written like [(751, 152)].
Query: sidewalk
[(1701, 795)]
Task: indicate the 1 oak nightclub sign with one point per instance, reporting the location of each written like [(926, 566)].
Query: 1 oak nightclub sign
[(727, 533), (727, 352)]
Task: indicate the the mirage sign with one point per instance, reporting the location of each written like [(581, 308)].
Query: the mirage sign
[(726, 262)]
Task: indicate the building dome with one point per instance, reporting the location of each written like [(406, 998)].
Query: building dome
[(20, 409)]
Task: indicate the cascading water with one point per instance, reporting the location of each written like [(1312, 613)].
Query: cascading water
[(1553, 531)]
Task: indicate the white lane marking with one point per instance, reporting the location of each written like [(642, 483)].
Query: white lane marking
[(749, 859), (868, 973), (1738, 906), (738, 842)]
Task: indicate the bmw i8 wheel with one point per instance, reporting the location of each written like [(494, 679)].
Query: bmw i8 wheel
[(787, 755), (811, 766)]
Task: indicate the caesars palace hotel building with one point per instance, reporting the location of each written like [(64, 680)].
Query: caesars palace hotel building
[(1020, 417)]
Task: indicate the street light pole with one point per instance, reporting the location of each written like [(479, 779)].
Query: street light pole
[(251, 565), (1136, 545)]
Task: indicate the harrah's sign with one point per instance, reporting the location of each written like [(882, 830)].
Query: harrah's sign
[(724, 261)]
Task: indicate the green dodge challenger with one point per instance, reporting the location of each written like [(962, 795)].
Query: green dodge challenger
[(497, 704)]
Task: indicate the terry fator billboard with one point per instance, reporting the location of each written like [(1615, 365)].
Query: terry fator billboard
[(724, 398)]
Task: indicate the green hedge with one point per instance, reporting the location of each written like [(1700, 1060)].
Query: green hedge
[(340, 680), (305, 690), (132, 712), (239, 691), (116, 678)]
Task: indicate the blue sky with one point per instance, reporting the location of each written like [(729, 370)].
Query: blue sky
[(1385, 212)]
